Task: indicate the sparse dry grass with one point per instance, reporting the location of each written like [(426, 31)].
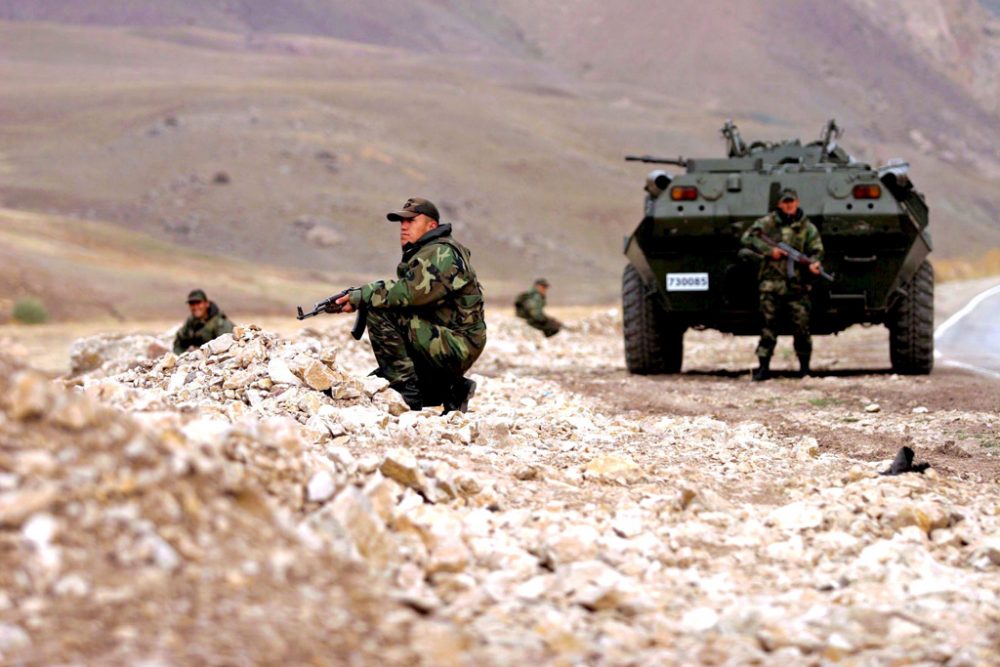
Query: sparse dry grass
[(982, 266)]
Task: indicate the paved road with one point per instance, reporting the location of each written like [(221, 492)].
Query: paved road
[(971, 337)]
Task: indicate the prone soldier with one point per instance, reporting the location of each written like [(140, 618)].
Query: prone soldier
[(427, 327), (783, 287), (530, 307), (206, 323)]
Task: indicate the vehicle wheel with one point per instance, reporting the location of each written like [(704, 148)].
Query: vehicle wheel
[(911, 326), (652, 344)]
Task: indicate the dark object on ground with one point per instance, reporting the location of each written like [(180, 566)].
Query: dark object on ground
[(221, 178), (904, 463), (459, 395), (763, 371)]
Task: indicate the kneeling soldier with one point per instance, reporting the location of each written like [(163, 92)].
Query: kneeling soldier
[(426, 327)]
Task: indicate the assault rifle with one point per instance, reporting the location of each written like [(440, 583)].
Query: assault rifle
[(794, 257), (331, 306)]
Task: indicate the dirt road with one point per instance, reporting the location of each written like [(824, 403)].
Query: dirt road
[(970, 339)]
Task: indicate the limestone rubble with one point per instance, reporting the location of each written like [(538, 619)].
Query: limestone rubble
[(261, 500)]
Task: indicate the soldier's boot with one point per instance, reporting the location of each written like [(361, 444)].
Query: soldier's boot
[(459, 395), (763, 371), (803, 365), (410, 391)]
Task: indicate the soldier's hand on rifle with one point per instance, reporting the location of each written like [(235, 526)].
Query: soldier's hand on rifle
[(345, 303), (778, 253), (815, 268)]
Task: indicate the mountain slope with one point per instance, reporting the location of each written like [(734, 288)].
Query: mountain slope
[(515, 123)]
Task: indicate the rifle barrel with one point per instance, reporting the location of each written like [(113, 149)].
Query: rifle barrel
[(649, 159)]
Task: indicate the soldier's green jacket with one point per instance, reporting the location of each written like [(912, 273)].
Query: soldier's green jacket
[(435, 281), (799, 233), (530, 306), (195, 332)]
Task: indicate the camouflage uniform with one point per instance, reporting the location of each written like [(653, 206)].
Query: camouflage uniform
[(777, 291), (530, 306), (195, 332), (427, 325)]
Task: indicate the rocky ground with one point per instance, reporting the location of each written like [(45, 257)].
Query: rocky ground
[(261, 501)]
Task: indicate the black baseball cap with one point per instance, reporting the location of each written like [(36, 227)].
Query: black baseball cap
[(413, 207), (197, 295), (788, 194)]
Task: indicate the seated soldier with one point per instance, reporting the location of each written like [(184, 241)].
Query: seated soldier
[(530, 306), (206, 323)]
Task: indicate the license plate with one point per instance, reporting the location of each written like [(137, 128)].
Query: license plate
[(687, 282)]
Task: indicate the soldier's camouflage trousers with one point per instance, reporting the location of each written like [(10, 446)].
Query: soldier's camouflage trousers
[(408, 347), (798, 308), (549, 326)]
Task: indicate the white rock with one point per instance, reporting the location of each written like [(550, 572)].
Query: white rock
[(207, 431), (401, 465), (359, 417), (533, 588), (627, 522), (39, 530), (796, 516), (791, 549), (72, 585), (596, 586), (373, 384), (13, 638), (177, 381), (279, 372), (699, 619), (320, 487), (220, 344), (318, 428), (873, 407), (920, 410), (989, 549), (164, 555)]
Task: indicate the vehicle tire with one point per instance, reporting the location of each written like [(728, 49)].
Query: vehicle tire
[(652, 344), (911, 325)]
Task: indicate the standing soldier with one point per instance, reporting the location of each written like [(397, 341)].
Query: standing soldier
[(206, 323), (530, 306), (779, 291), (426, 327)]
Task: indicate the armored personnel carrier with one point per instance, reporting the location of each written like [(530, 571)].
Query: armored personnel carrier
[(686, 271)]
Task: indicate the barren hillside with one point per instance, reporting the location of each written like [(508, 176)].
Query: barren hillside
[(279, 138)]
